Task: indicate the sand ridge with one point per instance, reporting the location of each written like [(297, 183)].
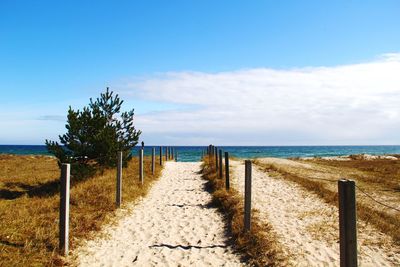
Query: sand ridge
[(306, 226), (172, 226)]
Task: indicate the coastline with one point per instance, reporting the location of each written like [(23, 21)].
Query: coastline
[(193, 153)]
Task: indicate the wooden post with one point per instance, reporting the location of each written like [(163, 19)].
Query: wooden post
[(220, 163), (172, 153), (227, 171), (160, 156), (119, 179), (247, 196), (176, 155), (166, 153), (347, 223), (153, 160), (64, 209), (216, 159), (141, 165)]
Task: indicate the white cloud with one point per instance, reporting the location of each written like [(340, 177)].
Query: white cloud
[(349, 104)]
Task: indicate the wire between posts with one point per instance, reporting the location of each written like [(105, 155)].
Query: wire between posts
[(85, 157), (323, 179), (377, 201), (362, 191)]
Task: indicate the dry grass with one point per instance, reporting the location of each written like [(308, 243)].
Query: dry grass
[(378, 177), (378, 172), (29, 204), (259, 247)]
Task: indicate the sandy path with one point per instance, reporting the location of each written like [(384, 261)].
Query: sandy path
[(306, 226), (172, 226)]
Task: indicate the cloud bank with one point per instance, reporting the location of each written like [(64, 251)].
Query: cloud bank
[(348, 104)]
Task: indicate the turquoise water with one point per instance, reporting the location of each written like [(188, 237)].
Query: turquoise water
[(193, 153)]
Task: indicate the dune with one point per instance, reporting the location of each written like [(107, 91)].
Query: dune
[(306, 226), (172, 226)]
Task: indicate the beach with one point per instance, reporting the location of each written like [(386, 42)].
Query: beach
[(172, 219), (306, 226), (200, 133), (173, 225)]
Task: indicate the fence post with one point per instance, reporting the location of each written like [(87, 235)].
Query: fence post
[(141, 165), (247, 196), (153, 160), (220, 163), (172, 153), (227, 170), (216, 159), (119, 180), (160, 156), (166, 153), (64, 209), (347, 223)]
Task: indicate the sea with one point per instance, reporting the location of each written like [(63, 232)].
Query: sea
[(193, 153)]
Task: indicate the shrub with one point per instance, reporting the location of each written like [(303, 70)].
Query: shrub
[(95, 135)]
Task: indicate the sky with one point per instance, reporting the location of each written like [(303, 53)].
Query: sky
[(201, 72)]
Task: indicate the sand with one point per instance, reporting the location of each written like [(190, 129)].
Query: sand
[(172, 226), (287, 162), (306, 226)]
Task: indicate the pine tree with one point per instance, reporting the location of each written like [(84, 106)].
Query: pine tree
[(95, 135)]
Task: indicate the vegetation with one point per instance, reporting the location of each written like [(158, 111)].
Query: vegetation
[(29, 206), (259, 245), (95, 135), (379, 177), (377, 172)]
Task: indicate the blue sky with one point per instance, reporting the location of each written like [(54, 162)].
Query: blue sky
[(54, 54)]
